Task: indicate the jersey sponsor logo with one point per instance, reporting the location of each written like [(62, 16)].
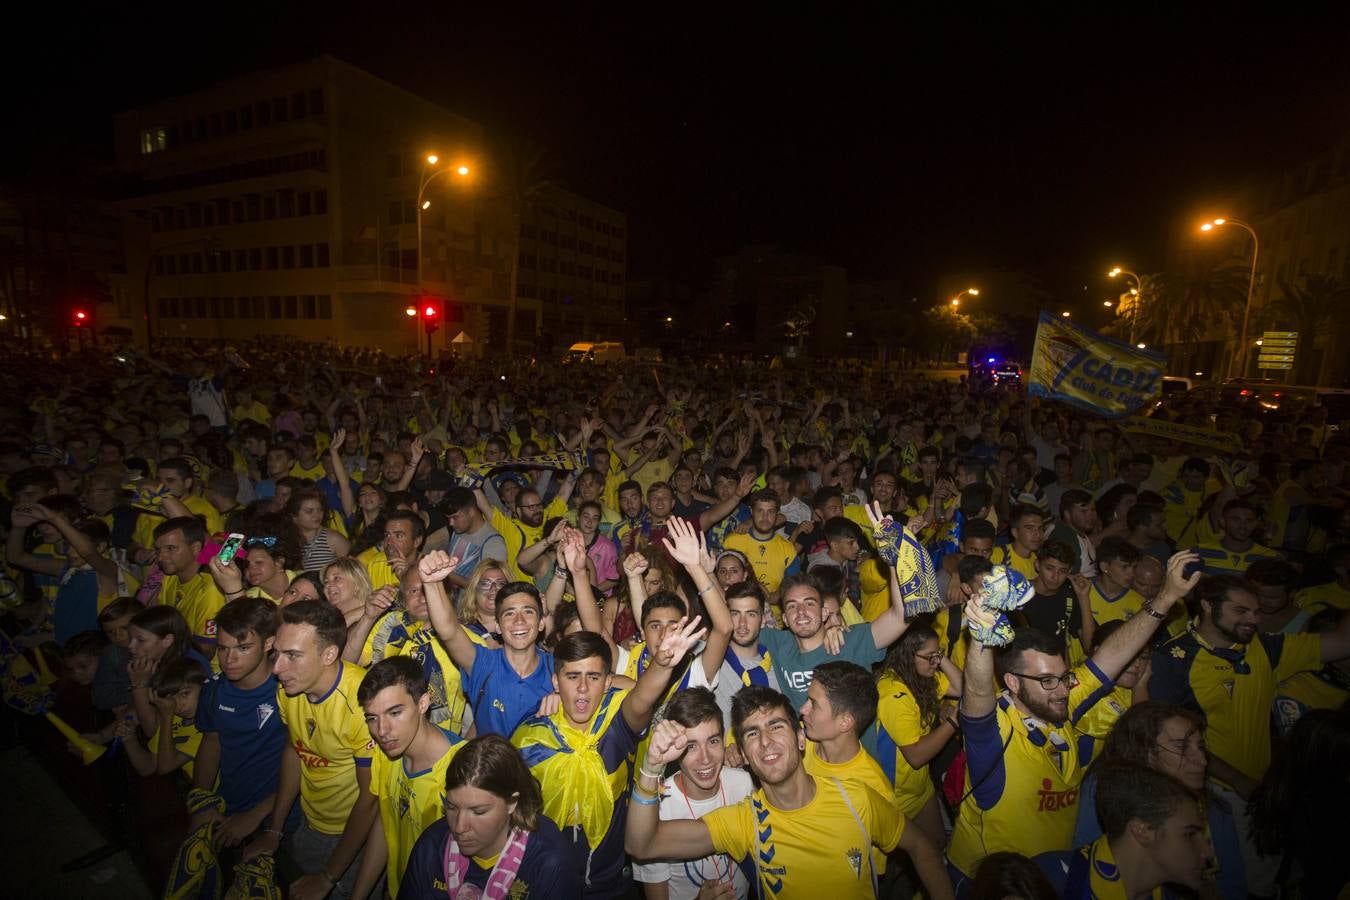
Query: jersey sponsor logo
[(1228, 686), (1052, 800), (800, 681), (311, 758), (265, 711)]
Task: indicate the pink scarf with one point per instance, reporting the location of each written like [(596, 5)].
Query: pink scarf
[(503, 874)]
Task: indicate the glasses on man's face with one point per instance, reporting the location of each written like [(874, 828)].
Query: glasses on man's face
[(486, 587), (1049, 682), (933, 658)]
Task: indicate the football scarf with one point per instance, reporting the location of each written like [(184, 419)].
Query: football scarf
[(756, 674), (913, 567), (196, 871)]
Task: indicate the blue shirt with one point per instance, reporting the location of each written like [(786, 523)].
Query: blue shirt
[(794, 668), (548, 868), (251, 735), (500, 698), (76, 605)]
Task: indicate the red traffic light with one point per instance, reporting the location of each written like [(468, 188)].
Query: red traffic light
[(81, 317), (429, 312)]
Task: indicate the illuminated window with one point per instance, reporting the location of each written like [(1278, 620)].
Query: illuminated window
[(153, 140)]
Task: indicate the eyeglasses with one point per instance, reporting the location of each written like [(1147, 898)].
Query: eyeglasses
[(1050, 682), (269, 542), (488, 586), (931, 658)]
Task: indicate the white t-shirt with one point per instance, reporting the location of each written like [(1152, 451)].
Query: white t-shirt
[(684, 878)]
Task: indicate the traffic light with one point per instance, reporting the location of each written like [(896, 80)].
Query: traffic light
[(431, 317), (80, 318)]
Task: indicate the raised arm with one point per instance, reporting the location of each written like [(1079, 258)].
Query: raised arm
[(21, 518), (1120, 648), (641, 701), (979, 691), (645, 835), (377, 604), (634, 567), (77, 539), (687, 547), (344, 481), (710, 517), (435, 567), (887, 627), (572, 551)]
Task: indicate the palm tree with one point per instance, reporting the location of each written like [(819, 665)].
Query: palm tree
[(1307, 309), (1183, 309)]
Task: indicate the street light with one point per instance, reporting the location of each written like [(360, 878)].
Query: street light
[(1137, 291), (1141, 345), (1106, 303), (423, 204), (974, 292), (410, 312), (1065, 314), (1251, 284)]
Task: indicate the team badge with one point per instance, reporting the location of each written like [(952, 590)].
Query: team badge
[(1228, 686), (855, 860), (265, 711), (1178, 653), (309, 727)]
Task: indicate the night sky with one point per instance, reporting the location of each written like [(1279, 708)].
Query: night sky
[(899, 146)]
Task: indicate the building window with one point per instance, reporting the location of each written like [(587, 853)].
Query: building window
[(309, 306), (231, 121), (200, 303), (163, 307), (257, 307), (291, 309), (255, 259), (223, 258), (272, 258), (316, 101), (173, 307), (274, 307), (395, 212), (325, 306), (154, 140), (214, 307), (269, 207), (306, 256), (264, 113), (321, 203), (222, 211), (246, 118), (214, 125), (241, 260), (288, 257), (227, 307), (286, 204), (298, 105), (302, 204), (279, 109), (321, 255), (212, 266)]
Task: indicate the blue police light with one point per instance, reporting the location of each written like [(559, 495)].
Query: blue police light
[(991, 359)]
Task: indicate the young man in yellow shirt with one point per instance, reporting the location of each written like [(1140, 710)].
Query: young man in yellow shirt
[(188, 586), (407, 775), (798, 835), (1111, 596), (1023, 768), (327, 760), (1026, 528), (180, 478)]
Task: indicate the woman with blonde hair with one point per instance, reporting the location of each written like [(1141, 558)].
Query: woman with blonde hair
[(478, 603), (346, 584)]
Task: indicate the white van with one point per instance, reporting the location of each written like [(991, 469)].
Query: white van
[(599, 352)]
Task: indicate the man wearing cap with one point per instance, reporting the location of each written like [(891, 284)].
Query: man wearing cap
[(472, 538)]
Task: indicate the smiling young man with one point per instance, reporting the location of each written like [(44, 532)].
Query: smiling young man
[(504, 685), (1112, 597), (408, 775), (581, 754), (188, 585), (1023, 745), (746, 661), (327, 761), (242, 736), (1026, 529), (802, 835), (701, 784)]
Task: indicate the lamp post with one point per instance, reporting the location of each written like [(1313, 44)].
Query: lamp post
[(1251, 284), (422, 204), (1138, 295), (956, 301)]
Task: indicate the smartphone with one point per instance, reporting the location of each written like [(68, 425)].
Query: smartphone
[(230, 548)]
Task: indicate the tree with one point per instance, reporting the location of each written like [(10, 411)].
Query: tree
[(1308, 308), (524, 178), (946, 329), (1184, 308)]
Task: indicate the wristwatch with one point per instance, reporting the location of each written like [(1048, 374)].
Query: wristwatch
[(1149, 610)]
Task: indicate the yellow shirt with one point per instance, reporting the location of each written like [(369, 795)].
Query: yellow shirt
[(198, 599), (819, 850), (1007, 556), (518, 535), (899, 724), (332, 741), (378, 568), (410, 802), (770, 560), (876, 590), (1118, 607), (398, 634), (655, 469), (313, 473), (255, 411), (257, 591), (202, 509), (1102, 717), (1323, 596), (1023, 795), (186, 739), (861, 771)]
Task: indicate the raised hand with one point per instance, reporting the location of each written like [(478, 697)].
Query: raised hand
[(875, 515), (834, 639), (678, 641), (635, 565), (1178, 582), (1081, 586), (669, 741), (746, 484), (437, 566), (550, 704), (227, 575), (572, 551), (339, 438), (380, 602), (687, 544)]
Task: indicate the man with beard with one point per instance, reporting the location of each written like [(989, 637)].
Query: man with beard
[(525, 526), (1023, 764), (1224, 668), (408, 776), (747, 660), (404, 534), (802, 835)]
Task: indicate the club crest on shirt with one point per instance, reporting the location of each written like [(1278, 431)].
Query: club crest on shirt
[(855, 860), (265, 711), (1178, 653), (1228, 686), (309, 727)]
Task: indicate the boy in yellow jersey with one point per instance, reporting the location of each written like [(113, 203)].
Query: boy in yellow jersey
[(385, 631), (798, 835), (404, 534), (408, 775), (1184, 500), (307, 461), (582, 754), (771, 555), (1026, 530), (1154, 836), (188, 585), (1224, 668), (179, 477), (1235, 548), (840, 705), (174, 738), (1131, 687), (328, 757), (1023, 768), (1111, 595)]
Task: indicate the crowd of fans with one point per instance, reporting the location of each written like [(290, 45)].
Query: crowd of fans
[(512, 628)]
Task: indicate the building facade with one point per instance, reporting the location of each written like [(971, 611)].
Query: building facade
[(287, 202)]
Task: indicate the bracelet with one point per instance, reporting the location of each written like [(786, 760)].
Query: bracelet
[(657, 775), (1149, 610), (708, 588), (277, 831), (645, 801)]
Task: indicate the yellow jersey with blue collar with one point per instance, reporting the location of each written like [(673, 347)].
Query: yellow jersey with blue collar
[(821, 849), (1103, 716), (1233, 687), (397, 633), (331, 738), (1023, 775), (410, 803), (198, 599), (377, 567), (1008, 556), (1323, 596), (1117, 607), (770, 560), (899, 724), (1093, 875)]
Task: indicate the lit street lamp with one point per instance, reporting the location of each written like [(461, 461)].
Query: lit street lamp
[(422, 204), (1137, 291), (956, 301), (1251, 283), (1065, 314)]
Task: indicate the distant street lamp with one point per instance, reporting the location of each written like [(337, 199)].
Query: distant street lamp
[(1106, 303), (1141, 345), (1065, 314), (422, 205), (956, 301), (1251, 284), (410, 312), (1137, 291)]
